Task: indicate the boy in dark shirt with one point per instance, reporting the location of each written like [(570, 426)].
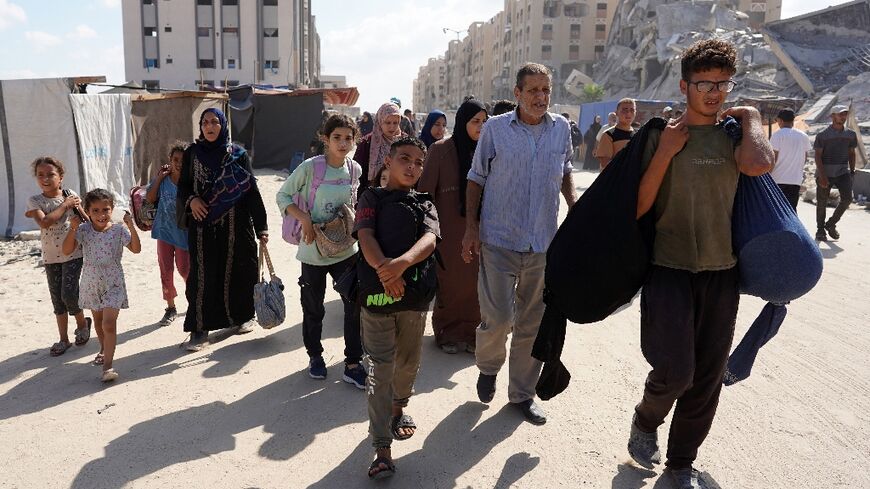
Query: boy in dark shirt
[(689, 302), (393, 341), (615, 138)]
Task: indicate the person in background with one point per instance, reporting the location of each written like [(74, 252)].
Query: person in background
[(590, 162), (668, 113), (576, 135), (615, 138), (373, 148), (411, 126), (611, 122), (171, 240), (835, 167), (366, 124), (500, 107), (434, 129), (791, 147), (52, 210), (456, 314), (520, 186), (221, 231)]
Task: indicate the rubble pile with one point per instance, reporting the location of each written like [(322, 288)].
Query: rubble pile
[(828, 46), (647, 38)]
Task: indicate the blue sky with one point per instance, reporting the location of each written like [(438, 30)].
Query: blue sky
[(377, 44)]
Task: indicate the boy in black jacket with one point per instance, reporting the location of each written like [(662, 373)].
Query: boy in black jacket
[(392, 341)]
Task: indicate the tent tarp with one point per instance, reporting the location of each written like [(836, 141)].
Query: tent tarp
[(283, 126), (35, 120), (242, 116), (157, 122), (105, 143)]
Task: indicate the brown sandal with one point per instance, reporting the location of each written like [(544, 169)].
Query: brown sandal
[(59, 348), (98, 360)]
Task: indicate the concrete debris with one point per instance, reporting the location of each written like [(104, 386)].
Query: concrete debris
[(857, 92), (647, 38), (826, 47)]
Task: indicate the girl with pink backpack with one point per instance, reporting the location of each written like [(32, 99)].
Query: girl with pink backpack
[(317, 201)]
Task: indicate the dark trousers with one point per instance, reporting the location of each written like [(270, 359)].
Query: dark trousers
[(844, 185), (792, 194), (687, 324), (312, 286)]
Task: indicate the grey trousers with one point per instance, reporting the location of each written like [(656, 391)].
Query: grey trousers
[(393, 346), (511, 292)]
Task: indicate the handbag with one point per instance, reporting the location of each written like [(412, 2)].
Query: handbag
[(334, 237), (144, 212), (291, 228), (268, 295)]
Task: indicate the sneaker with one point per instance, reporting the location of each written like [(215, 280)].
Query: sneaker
[(485, 388), (197, 341), (832, 230), (821, 235), (246, 327), (686, 478), (317, 368), (355, 376), (450, 348), (643, 447), (168, 316)]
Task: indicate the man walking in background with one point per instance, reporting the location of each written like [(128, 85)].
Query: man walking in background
[(835, 166), (791, 147)]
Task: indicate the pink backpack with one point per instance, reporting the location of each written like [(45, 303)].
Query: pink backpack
[(291, 228)]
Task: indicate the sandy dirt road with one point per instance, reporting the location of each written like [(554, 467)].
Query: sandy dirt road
[(244, 413)]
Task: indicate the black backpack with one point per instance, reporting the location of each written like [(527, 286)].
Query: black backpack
[(399, 225), (598, 259)]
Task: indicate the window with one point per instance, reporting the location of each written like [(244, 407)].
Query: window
[(599, 49), (574, 52), (231, 64), (203, 31), (551, 9), (231, 30), (204, 2), (230, 2), (602, 6), (576, 10), (575, 31), (547, 52), (152, 63), (169, 61), (206, 63), (150, 31), (151, 84), (167, 29), (270, 32), (270, 3), (600, 28), (147, 2), (271, 64)]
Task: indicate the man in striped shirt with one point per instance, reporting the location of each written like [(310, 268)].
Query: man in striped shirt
[(522, 162)]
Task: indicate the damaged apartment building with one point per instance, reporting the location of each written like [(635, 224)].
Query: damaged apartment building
[(796, 58)]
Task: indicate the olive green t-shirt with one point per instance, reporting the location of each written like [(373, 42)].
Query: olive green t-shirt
[(694, 204)]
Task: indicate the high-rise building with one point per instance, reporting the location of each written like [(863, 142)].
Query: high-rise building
[(564, 35), (186, 43)]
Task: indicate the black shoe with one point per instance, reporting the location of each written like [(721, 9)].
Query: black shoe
[(832, 230), (485, 388), (168, 316), (317, 368), (533, 413), (821, 235)]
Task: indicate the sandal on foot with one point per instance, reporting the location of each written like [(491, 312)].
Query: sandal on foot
[(98, 360), (109, 375), (59, 348), (399, 422), (83, 334), (382, 473)]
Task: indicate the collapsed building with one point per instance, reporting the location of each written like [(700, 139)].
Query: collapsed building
[(647, 38)]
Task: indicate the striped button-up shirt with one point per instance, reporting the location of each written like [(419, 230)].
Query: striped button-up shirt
[(521, 180)]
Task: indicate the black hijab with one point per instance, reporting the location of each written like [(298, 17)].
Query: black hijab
[(212, 153), (465, 146)]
